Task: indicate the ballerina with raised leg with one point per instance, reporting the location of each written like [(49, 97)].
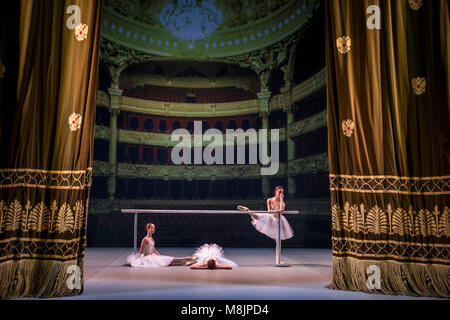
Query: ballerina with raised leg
[(148, 256), (268, 223), (211, 256)]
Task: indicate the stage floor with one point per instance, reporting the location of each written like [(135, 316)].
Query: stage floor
[(106, 277)]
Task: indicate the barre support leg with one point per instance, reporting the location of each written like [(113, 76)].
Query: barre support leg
[(278, 250), (135, 232)]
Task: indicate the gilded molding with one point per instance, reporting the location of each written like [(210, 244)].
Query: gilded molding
[(280, 102), (103, 99), (201, 172), (189, 110), (157, 139), (310, 124), (102, 132), (101, 168), (312, 164)]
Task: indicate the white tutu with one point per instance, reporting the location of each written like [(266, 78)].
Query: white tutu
[(208, 251), (268, 225), (152, 260), (148, 259)]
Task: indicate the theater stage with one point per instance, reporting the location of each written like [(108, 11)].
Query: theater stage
[(106, 277)]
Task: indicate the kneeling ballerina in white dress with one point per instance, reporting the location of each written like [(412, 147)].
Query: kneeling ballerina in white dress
[(149, 257), (211, 256)]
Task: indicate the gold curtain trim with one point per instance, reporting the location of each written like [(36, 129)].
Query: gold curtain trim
[(61, 250), (391, 184), (38, 278), (44, 186), (46, 171), (46, 179), (444, 245), (390, 191), (388, 176), (42, 256), (391, 256), (396, 277), (43, 240)]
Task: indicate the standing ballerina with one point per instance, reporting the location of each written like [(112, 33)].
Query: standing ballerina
[(268, 223), (148, 256), (211, 256)]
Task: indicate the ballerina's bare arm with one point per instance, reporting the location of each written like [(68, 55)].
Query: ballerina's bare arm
[(223, 266), (205, 266), (200, 266), (143, 243), (269, 206), (282, 204)]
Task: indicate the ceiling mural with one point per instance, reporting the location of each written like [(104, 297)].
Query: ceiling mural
[(233, 13), (203, 29)]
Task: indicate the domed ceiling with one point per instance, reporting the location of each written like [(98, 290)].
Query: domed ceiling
[(203, 29)]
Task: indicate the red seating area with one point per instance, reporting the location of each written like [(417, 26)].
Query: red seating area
[(203, 95)]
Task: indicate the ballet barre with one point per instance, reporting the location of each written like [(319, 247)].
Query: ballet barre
[(137, 211)]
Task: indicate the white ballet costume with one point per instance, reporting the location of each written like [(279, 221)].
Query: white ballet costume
[(148, 259), (268, 224), (208, 251)]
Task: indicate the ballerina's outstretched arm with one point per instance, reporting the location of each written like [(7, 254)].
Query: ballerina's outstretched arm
[(200, 266), (223, 266), (205, 266)]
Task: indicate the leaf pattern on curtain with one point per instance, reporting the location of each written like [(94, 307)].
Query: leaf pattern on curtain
[(356, 219), (425, 224), (352, 218), (40, 217), (401, 222), (79, 215), (444, 223), (13, 216), (65, 220)]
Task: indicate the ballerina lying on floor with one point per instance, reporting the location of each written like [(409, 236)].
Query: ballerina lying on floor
[(211, 256)]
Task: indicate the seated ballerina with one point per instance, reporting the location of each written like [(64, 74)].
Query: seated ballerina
[(211, 256), (148, 256)]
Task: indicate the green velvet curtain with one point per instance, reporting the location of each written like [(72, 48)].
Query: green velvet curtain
[(389, 146), (48, 99)]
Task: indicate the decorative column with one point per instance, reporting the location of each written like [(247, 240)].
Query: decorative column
[(115, 94), (292, 188), (264, 97)]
